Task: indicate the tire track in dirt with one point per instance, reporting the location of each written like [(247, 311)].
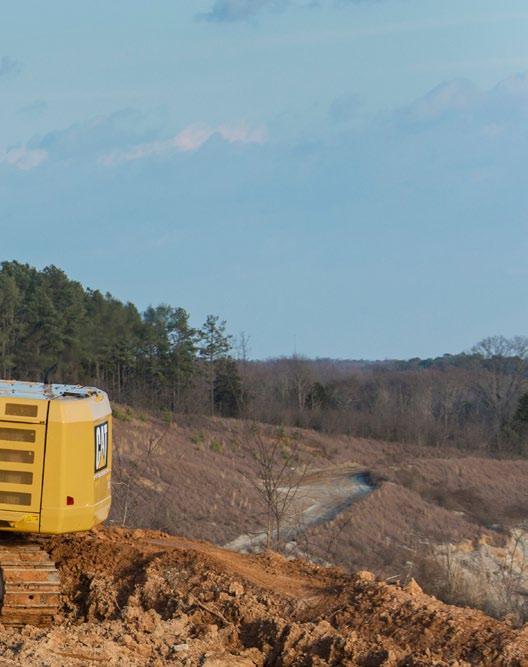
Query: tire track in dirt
[(255, 572)]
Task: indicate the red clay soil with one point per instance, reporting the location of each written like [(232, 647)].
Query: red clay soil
[(145, 598)]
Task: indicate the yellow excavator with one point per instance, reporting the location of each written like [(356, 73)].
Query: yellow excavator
[(55, 469)]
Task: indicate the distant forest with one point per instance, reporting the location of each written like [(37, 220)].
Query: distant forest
[(51, 328)]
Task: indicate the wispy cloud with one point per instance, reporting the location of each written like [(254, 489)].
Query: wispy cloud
[(229, 11), (456, 96), (9, 67), (236, 10), (455, 137), (122, 136), (96, 136), (514, 86), (36, 108), (454, 113), (460, 99), (189, 139), (23, 158), (345, 107)]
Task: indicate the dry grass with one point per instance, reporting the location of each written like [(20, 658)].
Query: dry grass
[(488, 491), (191, 478), (387, 531)]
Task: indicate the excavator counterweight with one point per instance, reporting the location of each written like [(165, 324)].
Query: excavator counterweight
[(55, 471)]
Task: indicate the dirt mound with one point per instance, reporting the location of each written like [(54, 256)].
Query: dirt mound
[(145, 598)]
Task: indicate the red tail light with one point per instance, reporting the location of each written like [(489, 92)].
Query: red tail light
[(69, 500)]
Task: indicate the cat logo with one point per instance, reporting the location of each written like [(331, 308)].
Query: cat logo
[(101, 446)]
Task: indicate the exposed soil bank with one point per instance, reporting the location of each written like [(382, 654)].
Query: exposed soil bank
[(144, 598)]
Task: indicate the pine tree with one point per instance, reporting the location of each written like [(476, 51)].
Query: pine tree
[(228, 392), (214, 345)]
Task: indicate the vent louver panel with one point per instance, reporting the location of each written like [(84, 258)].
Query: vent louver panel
[(17, 434), (21, 410), (16, 477), (21, 462), (17, 456), (15, 498)]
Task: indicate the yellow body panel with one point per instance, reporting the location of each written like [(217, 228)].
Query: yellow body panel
[(55, 457)]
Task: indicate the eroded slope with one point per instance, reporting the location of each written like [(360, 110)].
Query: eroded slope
[(144, 598)]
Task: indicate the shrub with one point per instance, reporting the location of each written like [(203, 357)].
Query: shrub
[(167, 417), (125, 415), (197, 438), (216, 447)]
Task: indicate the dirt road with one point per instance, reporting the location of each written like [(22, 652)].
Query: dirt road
[(321, 496)]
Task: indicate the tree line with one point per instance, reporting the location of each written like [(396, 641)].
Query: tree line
[(476, 400), (54, 329)]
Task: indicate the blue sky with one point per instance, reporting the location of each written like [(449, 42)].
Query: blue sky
[(343, 178)]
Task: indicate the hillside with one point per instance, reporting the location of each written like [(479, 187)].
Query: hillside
[(149, 599), (196, 478)]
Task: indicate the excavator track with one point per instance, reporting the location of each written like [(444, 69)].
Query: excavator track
[(30, 585)]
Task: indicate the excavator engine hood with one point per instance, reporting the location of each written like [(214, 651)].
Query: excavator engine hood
[(55, 457)]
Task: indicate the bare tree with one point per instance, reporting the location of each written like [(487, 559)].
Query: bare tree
[(501, 380), (513, 578), (242, 348), (128, 469), (301, 379), (280, 468)]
